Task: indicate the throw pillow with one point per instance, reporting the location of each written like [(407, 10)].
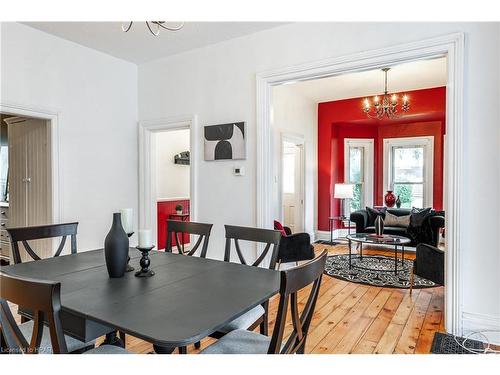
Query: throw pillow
[(418, 216), (396, 221), (373, 213), (279, 226)]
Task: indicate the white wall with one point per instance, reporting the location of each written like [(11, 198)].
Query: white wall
[(95, 97), (172, 180), (218, 84), (295, 114)]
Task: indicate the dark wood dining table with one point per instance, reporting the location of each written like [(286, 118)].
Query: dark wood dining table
[(185, 301)]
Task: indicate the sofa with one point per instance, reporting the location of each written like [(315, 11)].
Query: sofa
[(426, 233)]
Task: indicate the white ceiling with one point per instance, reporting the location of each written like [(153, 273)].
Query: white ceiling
[(139, 45), (405, 77)]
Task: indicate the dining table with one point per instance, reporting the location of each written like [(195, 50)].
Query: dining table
[(186, 300)]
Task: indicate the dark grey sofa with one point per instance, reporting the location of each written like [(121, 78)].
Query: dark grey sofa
[(427, 233)]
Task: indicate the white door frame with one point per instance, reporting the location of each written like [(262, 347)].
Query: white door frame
[(451, 46), (147, 166), (52, 118), (299, 140)]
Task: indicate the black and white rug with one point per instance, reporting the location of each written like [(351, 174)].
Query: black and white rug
[(375, 270), (444, 343)]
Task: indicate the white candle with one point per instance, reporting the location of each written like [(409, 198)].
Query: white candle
[(145, 238), (127, 220)]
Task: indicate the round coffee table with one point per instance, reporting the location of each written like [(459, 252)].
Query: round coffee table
[(387, 239)]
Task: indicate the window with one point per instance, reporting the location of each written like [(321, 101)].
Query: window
[(359, 172), (408, 170)]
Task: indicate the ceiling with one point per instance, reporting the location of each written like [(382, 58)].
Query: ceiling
[(139, 45), (404, 77)]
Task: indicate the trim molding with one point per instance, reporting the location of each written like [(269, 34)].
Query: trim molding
[(452, 46), (147, 166)]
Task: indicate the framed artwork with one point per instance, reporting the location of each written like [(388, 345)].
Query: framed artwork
[(225, 141)]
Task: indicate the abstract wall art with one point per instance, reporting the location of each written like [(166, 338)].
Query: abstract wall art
[(225, 141)]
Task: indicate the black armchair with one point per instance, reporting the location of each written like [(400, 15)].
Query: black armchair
[(295, 247), (429, 264)]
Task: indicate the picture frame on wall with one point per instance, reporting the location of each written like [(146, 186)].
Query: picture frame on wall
[(225, 141)]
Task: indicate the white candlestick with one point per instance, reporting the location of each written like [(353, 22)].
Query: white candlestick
[(127, 220), (145, 238)]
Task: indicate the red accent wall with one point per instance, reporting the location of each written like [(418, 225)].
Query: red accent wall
[(345, 119), (164, 209)]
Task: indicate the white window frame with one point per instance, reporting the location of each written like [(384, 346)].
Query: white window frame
[(428, 144), (368, 166)]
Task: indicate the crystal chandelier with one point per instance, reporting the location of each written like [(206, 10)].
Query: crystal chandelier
[(385, 106), (153, 26)]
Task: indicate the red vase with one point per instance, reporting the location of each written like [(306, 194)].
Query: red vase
[(389, 199)]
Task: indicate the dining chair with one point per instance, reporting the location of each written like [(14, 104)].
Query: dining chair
[(258, 316), (34, 337), (25, 234), (292, 281), (174, 227)]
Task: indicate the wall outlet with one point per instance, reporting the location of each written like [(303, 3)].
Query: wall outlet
[(239, 171)]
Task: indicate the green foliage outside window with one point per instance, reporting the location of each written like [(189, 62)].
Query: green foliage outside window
[(405, 193)]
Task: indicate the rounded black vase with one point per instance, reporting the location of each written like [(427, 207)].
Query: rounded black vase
[(116, 248)]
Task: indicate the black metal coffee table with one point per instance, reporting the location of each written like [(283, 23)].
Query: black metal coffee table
[(389, 240)]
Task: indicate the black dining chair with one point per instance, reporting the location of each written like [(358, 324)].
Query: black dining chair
[(44, 334), (258, 316), (176, 227), (25, 234), (292, 281)]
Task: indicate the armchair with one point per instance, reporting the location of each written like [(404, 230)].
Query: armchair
[(429, 264), (293, 247)]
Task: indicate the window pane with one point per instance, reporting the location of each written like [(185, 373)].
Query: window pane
[(289, 173), (356, 202), (355, 164), (408, 164), (411, 195)]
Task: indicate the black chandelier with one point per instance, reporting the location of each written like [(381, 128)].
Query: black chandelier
[(153, 26), (388, 106)]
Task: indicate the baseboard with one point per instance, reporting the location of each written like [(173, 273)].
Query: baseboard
[(475, 322)]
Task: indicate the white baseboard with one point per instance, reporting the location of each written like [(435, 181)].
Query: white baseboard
[(475, 322)]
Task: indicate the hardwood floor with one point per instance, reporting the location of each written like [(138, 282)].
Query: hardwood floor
[(355, 318)]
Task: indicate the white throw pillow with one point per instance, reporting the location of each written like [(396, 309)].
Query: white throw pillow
[(396, 221)]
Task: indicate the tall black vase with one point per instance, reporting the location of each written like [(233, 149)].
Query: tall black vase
[(116, 248)]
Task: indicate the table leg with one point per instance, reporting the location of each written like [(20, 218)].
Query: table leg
[(361, 251), (396, 259), (113, 339), (330, 226), (402, 255), (350, 265)]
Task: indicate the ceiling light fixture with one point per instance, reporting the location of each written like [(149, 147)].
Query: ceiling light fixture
[(153, 26), (387, 106)]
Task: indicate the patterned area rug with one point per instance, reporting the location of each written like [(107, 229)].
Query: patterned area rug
[(375, 270), (444, 343)]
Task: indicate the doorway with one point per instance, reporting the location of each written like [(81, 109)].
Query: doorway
[(292, 183)]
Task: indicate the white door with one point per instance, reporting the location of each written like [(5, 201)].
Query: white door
[(292, 185)]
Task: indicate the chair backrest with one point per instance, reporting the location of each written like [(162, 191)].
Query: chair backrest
[(292, 281), (270, 237), (174, 227), (41, 297), (25, 234)]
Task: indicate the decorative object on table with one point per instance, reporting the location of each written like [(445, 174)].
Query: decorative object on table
[(145, 246), (116, 248), (343, 192), (372, 214), (398, 202), (389, 199), (374, 270), (128, 227), (178, 209), (182, 158), (225, 141), (387, 106), (379, 225)]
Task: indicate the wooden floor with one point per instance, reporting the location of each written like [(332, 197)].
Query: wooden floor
[(355, 318)]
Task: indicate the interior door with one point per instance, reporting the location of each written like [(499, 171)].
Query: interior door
[(292, 186)]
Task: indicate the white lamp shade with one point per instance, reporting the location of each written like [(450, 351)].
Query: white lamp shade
[(344, 191)]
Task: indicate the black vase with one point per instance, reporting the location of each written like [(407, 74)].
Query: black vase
[(379, 225), (398, 202), (116, 248)]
